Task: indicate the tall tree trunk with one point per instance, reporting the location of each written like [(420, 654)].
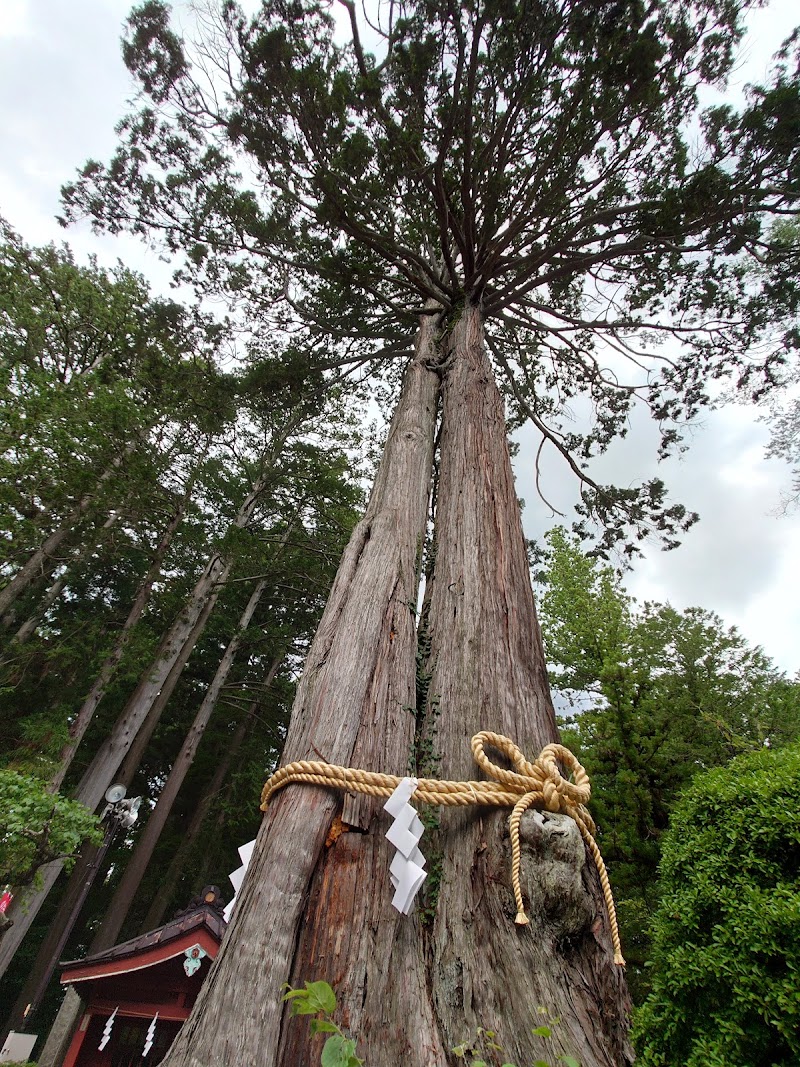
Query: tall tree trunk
[(352, 703), (39, 560), (103, 767), (123, 774), (166, 889), (487, 672), (72, 1006), (135, 754), (412, 993), (27, 629), (81, 722), (148, 839)]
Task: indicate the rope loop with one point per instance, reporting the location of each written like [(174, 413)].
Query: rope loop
[(541, 784)]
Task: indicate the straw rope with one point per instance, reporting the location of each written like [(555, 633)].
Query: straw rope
[(539, 784)]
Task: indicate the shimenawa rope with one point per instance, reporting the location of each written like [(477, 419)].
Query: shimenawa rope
[(539, 784)]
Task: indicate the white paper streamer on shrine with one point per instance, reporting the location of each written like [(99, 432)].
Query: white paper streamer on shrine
[(104, 1040), (151, 1033), (407, 869), (237, 877)]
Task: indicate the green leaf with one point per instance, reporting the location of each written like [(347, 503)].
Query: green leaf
[(322, 1026), (570, 1061), (321, 995), (542, 1031), (295, 993), (339, 1051)]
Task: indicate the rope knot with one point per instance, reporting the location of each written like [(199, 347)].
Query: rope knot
[(540, 783)]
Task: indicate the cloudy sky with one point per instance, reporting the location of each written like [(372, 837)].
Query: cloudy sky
[(62, 89)]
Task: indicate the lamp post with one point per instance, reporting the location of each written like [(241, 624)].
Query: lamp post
[(119, 813)]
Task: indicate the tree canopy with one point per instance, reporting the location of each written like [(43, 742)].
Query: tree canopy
[(134, 448), (550, 163)]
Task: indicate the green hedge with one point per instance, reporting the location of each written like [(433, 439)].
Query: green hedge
[(726, 952)]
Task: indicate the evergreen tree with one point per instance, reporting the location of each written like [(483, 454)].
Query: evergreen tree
[(501, 176), (669, 694)]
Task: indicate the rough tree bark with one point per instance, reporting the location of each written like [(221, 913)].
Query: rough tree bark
[(487, 671), (410, 992), (353, 698)]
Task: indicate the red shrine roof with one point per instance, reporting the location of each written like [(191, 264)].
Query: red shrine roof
[(204, 926)]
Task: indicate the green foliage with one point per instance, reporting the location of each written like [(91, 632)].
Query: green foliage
[(97, 378), (533, 159), (726, 949), (318, 999), (485, 1047), (670, 693), (38, 827)]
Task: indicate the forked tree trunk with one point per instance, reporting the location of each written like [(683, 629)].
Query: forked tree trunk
[(407, 991), (352, 704), (487, 672)]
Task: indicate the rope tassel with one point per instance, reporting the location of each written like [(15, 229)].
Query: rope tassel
[(539, 784)]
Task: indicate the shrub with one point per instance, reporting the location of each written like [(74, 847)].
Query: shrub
[(726, 951)]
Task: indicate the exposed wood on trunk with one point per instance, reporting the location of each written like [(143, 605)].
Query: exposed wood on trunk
[(41, 559), (148, 839), (353, 699), (487, 671), (81, 722)]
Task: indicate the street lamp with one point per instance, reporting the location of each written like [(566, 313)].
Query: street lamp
[(119, 813)]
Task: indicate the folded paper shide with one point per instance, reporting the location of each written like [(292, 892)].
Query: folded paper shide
[(407, 871)]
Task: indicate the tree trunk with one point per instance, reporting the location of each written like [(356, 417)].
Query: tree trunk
[(88, 792), (100, 773), (353, 705), (72, 1006), (60, 1035), (39, 560), (486, 671), (27, 629), (166, 889), (81, 722), (148, 839)]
